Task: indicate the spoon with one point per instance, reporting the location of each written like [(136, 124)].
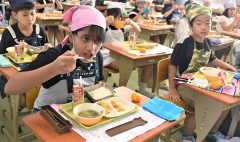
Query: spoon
[(82, 58)]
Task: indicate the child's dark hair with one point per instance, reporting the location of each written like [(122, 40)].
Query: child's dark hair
[(96, 32), (188, 2), (114, 12), (25, 6), (225, 12)]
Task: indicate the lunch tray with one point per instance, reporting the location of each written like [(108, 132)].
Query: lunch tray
[(67, 109), (27, 58)]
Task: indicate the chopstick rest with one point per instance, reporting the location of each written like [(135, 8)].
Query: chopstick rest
[(125, 126), (56, 120)]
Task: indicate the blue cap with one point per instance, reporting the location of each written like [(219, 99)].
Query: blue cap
[(20, 4)]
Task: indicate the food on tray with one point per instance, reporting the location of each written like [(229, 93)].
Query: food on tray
[(142, 50), (135, 97), (211, 32), (215, 84), (211, 74), (214, 36), (11, 51), (117, 105), (101, 92), (88, 113), (106, 105), (54, 14), (146, 45)]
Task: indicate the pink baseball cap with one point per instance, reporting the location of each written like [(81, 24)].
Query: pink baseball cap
[(83, 16), (229, 5)]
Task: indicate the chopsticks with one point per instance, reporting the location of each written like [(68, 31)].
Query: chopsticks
[(182, 80)]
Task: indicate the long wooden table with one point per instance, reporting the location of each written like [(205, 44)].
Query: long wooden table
[(128, 62), (48, 21), (38, 125), (66, 5), (231, 34), (208, 107), (147, 31)]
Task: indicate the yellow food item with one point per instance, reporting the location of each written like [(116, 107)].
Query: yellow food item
[(211, 32), (146, 45), (215, 85), (214, 36), (117, 105), (135, 97), (142, 50), (106, 105)]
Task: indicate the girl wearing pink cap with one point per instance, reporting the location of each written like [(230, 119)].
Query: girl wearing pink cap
[(229, 21), (57, 68)]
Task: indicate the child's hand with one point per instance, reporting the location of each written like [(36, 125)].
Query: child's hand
[(175, 7), (23, 44), (1, 17), (48, 45), (109, 20), (173, 95), (237, 16), (128, 21), (65, 63)]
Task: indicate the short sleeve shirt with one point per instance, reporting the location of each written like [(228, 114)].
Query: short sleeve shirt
[(183, 52)]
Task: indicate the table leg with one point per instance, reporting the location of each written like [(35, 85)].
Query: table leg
[(15, 105), (125, 70), (207, 111)]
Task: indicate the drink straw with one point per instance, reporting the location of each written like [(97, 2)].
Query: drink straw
[(81, 82)]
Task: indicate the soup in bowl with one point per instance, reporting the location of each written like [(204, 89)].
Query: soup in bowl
[(88, 114)]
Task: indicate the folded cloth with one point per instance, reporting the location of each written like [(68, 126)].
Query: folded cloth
[(164, 109)]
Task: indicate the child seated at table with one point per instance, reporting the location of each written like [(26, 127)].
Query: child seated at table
[(56, 68), (114, 34), (171, 11), (183, 60), (48, 6), (229, 21), (24, 29)]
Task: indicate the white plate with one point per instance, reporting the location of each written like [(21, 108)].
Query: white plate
[(123, 106)]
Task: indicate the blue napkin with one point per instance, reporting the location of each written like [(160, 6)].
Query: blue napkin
[(164, 109)]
